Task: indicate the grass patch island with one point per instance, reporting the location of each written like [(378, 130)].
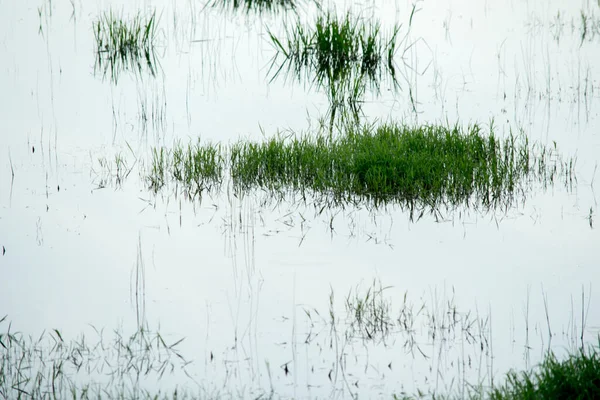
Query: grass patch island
[(430, 166)]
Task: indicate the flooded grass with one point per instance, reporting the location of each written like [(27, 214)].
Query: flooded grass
[(427, 167), (111, 171), (342, 55), (196, 167), (258, 6), (577, 377), (370, 312), (51, 366), (125, 45)]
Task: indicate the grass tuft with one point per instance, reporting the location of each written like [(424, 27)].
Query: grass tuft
[(196, 167), (577, 377), (125, 45), (345, 56)]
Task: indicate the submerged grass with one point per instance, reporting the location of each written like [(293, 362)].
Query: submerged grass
[(125, 45), (342, 55), (426, 167)]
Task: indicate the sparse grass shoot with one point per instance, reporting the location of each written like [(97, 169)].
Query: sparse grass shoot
[(100, 366), (194, 167)]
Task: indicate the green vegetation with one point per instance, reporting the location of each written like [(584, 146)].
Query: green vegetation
[(428, 167), (370, 312), (52, 366), (196, 167), (112, 172), (344, 56), (255, 5), (125, 45), (577, 377)]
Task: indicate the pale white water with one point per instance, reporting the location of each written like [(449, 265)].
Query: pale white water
[(236, 278)]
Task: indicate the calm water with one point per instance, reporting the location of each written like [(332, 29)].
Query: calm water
[(249, 284)]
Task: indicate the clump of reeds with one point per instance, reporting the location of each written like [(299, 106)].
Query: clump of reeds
[(342, 55), (125, 45)]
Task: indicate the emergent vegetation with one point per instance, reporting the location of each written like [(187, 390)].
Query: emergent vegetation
[(115, 366), (577, 377), (427, 167), (125, 45), (344, 56)]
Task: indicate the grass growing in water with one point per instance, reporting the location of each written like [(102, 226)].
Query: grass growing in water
[(428, 167), (577, 377), (51, 366), (196, 167), (344, 56), (125, 45)]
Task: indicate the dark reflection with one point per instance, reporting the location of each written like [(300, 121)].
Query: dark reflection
[(256, 6)]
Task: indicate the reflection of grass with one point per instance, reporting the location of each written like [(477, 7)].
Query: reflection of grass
[(112, 171), (255, 5), (51, 366), (343, 55), (125, 45), (419, 167)]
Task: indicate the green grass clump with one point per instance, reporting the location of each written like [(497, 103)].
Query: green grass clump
[(342, 55), (125, 45), (577, 377), (432, 166), (258, 6), (196, 167)]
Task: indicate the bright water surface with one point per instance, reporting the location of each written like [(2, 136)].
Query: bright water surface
[(249, 284)]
